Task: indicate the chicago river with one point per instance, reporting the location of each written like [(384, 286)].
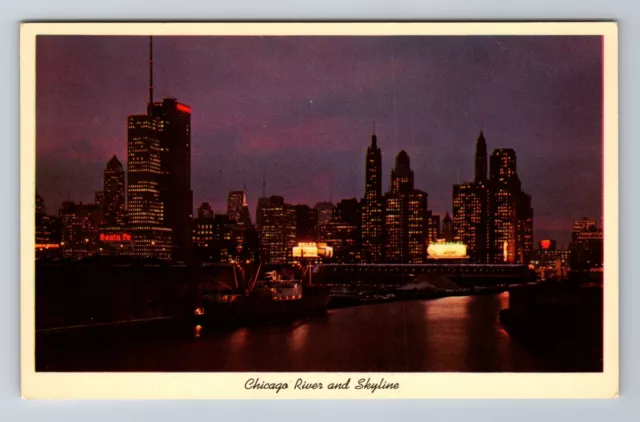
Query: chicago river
[(458, 334)]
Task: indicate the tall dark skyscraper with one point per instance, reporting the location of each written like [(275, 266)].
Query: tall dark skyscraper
[(401, 174), (175, 163), (306, 223), (481, 159), (372, 207), (159, 196), (113, 202)]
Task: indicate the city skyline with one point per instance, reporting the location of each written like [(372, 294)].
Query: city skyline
[(332, 163)]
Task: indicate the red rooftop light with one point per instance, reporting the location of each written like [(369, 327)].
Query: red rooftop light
[(184, 108)]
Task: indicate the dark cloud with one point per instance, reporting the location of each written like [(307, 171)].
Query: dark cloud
[(300, 109)]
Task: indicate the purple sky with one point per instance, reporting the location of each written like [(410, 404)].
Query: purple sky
[(301, 110)]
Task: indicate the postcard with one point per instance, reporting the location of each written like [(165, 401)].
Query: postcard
[(319, 210)]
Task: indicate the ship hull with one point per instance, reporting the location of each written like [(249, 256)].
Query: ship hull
[(254, 309)]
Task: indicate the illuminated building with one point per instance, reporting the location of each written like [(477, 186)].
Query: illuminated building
[(80, 224), (372, 207), (113, 196), (434, 227), (203, 229), (470, 208), (98, 199), (406, 218), (511, 223), (586, 245), (48, 235), (175, 164), (238, 208), (114, 239), (159, 196), (306, 223), (222, 250), (244, 244), (146, 211), (277, 231), (341, 236)]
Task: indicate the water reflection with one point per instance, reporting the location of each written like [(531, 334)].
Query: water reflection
[(449, 334)]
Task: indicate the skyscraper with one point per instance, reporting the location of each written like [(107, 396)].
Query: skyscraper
[(113, 211), (48, 235), (434, 227), (175, 164), (405, 217), (238, 208), (277, 231), (146, 210), (511, 214), (159, 195), (79, 229), (470, 210), (481, 159), (401, 174), (372, 212)]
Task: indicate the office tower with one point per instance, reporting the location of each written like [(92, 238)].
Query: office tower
[(203, 230), (343, 238), (262, 203), (481, 159), (145, 207), (48, 235), (114, 239), (470, 212), (244, 243), (586, 245), (393, 228), (306, 223), (79, 229), (238, 208), (175, 164), (277, 232), (434, 227), (405, 217), (372, 212), (222, 238), (401, 174), (511, 214), (113, 194), (159, 196), (448, 232), (324, 211)]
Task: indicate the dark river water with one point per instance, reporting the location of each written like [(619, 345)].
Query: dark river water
[(461, 334)]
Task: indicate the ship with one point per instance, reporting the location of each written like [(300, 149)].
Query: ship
[(272, 297)]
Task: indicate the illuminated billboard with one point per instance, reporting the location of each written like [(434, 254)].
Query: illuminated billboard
[(312, 250), (447, 250), (118, 237)]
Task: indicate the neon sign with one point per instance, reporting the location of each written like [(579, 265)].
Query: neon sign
[(115, 237), (545, 244), (184, 108)]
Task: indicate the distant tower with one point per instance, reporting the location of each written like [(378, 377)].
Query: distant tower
[(481, 159), (372, 218), (402, 175), (113, 191)]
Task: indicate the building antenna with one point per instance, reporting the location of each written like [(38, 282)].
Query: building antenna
[(374, 127), (481, 122), (150, 74)]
